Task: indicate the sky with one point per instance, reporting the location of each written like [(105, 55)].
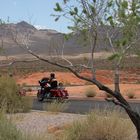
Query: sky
[(35, 12)]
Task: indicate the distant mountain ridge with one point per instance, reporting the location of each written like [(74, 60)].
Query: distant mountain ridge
[(24, 24), (46, 41), (42, 41)]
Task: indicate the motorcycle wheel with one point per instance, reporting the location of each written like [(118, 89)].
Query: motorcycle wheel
[(40, 97)]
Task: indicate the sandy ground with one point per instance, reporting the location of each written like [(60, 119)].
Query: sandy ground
[(129, 82)]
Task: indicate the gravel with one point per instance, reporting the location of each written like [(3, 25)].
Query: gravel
[(38, 122)]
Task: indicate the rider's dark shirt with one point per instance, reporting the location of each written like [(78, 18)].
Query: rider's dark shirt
[(53, 83)]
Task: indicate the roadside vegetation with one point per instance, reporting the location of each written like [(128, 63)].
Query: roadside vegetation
[(56, 106), (130, 94), (90, 92), (10, 103), (10, 98), (101, 125), (7, 130)]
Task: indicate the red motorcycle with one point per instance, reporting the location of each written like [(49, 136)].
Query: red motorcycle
[(58, 93)]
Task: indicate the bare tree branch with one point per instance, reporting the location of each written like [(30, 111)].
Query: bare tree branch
[(62, 56)]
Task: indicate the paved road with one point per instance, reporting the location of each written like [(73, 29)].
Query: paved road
[(83, 106)]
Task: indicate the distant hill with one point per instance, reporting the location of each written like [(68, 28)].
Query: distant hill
[(42, 41), (45, 41)]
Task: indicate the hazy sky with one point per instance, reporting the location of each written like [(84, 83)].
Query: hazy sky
[(36, 12)]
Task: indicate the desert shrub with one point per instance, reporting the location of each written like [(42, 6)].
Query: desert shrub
[(138, 81), (90, 92), (56, 106), (29, 89), (130, 94), (7, 130), (24, 85), (26, 104), (67, 83), (100, 126), (9, 95)]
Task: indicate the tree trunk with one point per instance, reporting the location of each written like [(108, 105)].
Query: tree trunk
[(138, 132), (117, 79)]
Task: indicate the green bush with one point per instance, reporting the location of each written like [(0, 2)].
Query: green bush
[(9, 95), (90, 92), (100, 126)]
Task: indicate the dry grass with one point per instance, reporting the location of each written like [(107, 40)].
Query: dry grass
[(8, 130), (105, 125), (56, 106), (9, 95), (130, 94), (27, 103), (90, 92)]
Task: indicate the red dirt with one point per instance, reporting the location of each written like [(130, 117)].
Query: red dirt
[(65, 77), (104, 76), (129, 81)]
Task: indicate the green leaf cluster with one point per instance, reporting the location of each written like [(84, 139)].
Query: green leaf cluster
[(74, 11), (113, 56), (110, 19), (58, 8)]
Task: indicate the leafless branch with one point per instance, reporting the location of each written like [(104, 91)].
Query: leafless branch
[(110, 42), (62, 56)]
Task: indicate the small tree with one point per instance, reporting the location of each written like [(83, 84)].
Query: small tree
[(120, 21)]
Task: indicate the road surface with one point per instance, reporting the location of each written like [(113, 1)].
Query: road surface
[(83, 106)]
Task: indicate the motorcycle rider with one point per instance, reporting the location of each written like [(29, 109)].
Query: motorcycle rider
[(51, 84), (53, 81), (50, 89), (48, 84), (44, 82)]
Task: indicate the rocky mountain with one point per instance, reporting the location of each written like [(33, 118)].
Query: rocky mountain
[(44, 41)]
